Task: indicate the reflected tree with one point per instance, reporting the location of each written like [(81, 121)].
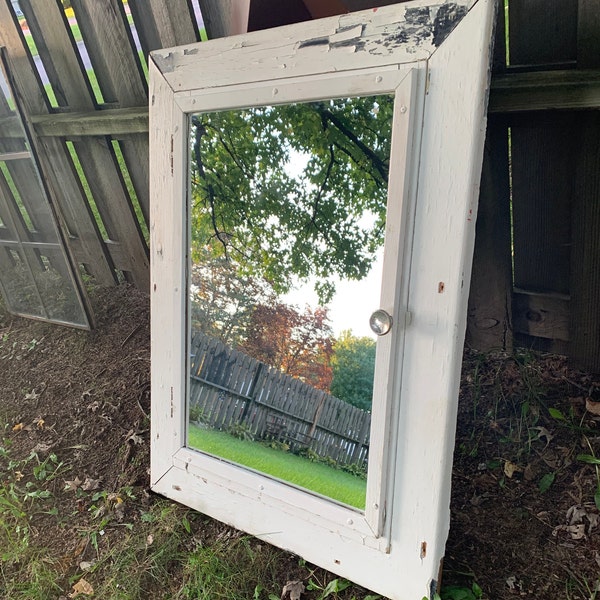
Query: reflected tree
[(299, 344), (293, 192), (353, 366)]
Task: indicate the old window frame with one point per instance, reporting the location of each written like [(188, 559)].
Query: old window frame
[(440, 84)]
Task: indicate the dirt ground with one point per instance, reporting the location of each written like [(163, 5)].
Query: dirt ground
[(524, 519)]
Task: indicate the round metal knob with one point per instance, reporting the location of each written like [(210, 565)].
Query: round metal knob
[(380, 322)]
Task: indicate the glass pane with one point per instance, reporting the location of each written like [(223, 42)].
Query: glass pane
[(36, 278), (288, 219)]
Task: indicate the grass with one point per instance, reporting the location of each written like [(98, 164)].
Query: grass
[(134, 557), (294, 469)]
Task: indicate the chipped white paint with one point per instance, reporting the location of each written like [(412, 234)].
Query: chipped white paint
[(400, 34), (396, 545)]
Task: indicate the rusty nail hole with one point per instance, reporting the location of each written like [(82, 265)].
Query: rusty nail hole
[(441, 286), (423, 550), (154, 287), (336, 561)]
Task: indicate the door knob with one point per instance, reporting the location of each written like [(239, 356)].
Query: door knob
[(380, 322)]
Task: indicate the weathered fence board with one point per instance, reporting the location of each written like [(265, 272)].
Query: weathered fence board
[(229, 388), (542, 32)]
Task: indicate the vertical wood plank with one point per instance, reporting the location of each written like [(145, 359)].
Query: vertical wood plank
[(162, 24), (585, 281), (543, 163), (225, 17), (541, 32), (489, 311), (588, 34)]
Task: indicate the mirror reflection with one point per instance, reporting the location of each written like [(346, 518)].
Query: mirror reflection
[(288, 218)]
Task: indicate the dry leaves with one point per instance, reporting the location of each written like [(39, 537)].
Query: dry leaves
[(581, 520), (82, 587), (510, 469), (592, 407), (294, 589)]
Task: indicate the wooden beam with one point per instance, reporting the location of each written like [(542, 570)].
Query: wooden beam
[(541, 315), (114, 122), (545, 90), (515, 92), (489, 309)]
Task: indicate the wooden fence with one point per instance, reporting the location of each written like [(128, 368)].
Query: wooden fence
[(230, 390), (536, 277)]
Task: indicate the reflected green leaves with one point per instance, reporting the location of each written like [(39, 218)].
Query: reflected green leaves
[(295, 191)]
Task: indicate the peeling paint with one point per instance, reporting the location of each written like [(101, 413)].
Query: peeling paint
[(322, 41), (190, 51), (448, 15)]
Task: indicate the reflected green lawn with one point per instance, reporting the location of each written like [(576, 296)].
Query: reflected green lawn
[(294, 469)]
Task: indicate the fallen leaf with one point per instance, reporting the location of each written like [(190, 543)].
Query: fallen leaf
[(294, 589), (542, 432), (82, 587), (575, 514), (575, 532), (510, 469), (33, 395), (40, 423), (85, 565), (90, 484), (592, 407), (18, 475), (71, 486), (136, 439), (149, 539), (18, 427)]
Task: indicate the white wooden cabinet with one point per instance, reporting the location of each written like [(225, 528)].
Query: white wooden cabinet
[(434, 57)]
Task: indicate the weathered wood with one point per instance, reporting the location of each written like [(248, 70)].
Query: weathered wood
[(444, 177), (161, 24), (329, 42), (225, 17), (543, 163), (541, 315), (70, 199), (95, 155), (114, 122), (542, 33), (122, 82), (489, 322), (588, 34), (545, 90), (585, 264)]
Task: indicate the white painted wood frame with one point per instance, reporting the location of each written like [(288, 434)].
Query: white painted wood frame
[(434, 57)]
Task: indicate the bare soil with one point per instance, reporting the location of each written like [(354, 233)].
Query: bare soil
[(524, 520)]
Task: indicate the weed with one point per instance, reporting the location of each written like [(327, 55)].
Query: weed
[(592, 459)]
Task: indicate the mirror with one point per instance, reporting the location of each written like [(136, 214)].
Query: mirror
[(287, 214)]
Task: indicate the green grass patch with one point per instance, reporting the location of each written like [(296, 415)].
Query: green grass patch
[(294, 469)]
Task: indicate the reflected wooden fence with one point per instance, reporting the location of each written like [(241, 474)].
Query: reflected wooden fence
[(229, 390)]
